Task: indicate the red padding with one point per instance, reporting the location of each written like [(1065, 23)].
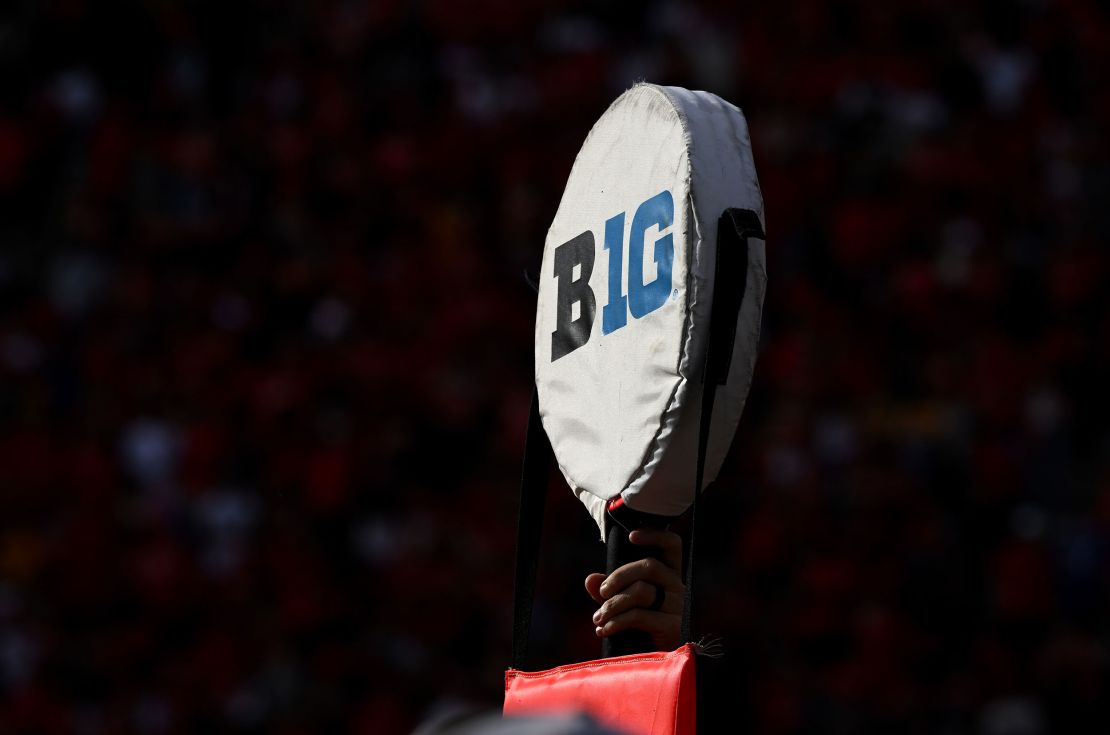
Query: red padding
[(641, 694)]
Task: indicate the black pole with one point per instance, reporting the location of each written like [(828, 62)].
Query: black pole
[(618, 552), (622, 520)]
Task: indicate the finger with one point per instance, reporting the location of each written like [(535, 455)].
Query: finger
[(593, 586), (669, 544), (648, 570), (649, 621), (639, 594)]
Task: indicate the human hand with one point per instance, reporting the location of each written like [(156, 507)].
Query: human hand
[(626, 595)]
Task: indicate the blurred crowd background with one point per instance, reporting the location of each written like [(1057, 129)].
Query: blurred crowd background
[(265, 358)]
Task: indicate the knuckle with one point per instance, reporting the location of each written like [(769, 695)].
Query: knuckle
[(642, 593), (627, 620)]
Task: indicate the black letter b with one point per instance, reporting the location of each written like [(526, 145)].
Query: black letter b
[(570, 335)]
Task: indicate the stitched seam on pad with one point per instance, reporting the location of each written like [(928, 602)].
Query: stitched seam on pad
[(592, 665)]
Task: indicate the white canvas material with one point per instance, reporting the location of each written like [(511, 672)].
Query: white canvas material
[(619, 399)]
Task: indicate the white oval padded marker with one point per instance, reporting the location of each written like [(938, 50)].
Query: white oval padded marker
[(624, 299)]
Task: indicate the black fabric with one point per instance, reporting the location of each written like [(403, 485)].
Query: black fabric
[(716, 700), (533, 486), (734, 228), (708, 393), (730, 281)]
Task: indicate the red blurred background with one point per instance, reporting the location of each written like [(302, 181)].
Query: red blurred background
[(265, 357)]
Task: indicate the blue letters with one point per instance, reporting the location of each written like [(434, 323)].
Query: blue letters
[(615, 314), (644, 298)]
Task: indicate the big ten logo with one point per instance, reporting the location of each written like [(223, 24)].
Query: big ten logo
[(574, 264)]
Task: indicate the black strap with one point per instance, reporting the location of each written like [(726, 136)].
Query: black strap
[(730, 282), (734, 228), (709, 392), (529, 529)]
